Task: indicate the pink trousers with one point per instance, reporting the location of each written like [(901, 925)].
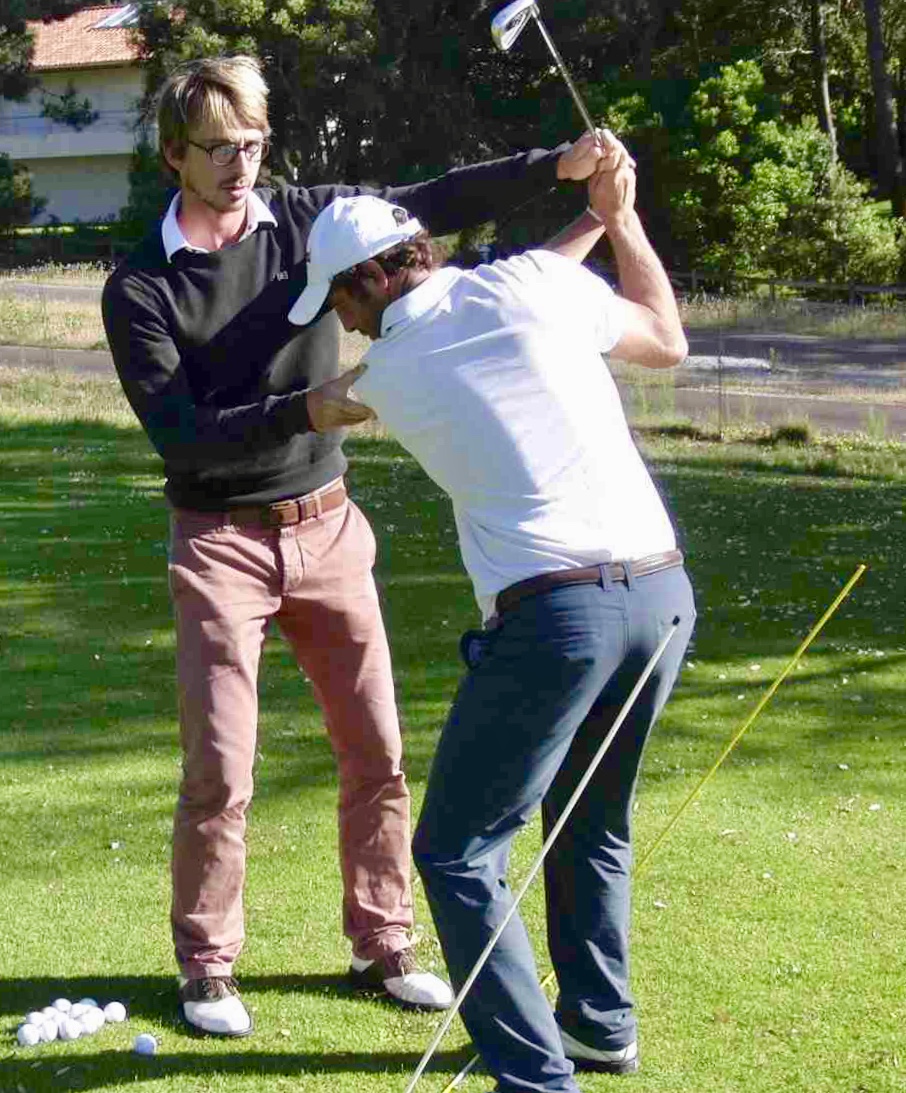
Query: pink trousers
[(315, 580)]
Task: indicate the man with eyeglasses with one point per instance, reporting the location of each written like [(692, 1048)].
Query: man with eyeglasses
[(262, 528)]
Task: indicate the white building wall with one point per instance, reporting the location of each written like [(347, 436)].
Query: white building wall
[(80, 187), (113, 93), (84, 174)]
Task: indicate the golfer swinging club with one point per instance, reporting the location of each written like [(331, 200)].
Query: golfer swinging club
[(493, 379)]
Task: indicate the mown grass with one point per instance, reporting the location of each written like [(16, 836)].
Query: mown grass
[(44, 321), (879, 320), (89, 274), (63, 324), (768, 931)]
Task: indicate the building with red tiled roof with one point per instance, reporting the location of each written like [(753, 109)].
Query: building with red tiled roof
[(83, 174), (94, 36)]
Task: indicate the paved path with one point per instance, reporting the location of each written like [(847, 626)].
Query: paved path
[(83, 361), (786, 376), (826, 414), (800, 349)]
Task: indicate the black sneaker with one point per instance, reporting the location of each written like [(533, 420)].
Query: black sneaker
[(624, 1060)]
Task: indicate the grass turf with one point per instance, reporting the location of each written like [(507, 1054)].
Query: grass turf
[(44, 320), (768, 929)]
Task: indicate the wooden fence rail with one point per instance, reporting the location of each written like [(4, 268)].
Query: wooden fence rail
[(853, 291)]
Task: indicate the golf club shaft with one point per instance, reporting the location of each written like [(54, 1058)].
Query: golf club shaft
[(548, 842), (555, 53), (813, 633)]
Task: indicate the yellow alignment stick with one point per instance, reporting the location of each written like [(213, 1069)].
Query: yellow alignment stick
[(797, 656)]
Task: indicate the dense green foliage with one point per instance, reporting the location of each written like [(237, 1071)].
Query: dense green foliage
[(718, 102), (149, 183), (761, 144), (68, 108), (17, 50), (17, 202), (759, 196)]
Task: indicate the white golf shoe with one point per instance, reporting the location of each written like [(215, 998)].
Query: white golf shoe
[(624, 1060), (212, 1005), (398, 975)]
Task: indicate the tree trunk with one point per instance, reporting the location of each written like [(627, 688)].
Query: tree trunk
[(819, 69), (890, 162)]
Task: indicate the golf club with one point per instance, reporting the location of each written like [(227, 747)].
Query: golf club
[(548, 843), (507, 25)]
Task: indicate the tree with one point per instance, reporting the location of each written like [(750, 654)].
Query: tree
[(67, 108), (820, 70), (17, 80), (759, 195), (16, 50), (149, 185), (890, 158), (359, 89), (18, 205)]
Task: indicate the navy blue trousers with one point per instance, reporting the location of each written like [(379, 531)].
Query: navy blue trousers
[(525, 722)]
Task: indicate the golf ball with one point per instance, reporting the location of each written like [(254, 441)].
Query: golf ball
[(51, 1013), (91, 1020), (78, 1008), (115, 1011), (144, 1044), (88, 1002), (28, 1035), (36, 1017), (62, 1004), (49, 1031), (70, 1029)]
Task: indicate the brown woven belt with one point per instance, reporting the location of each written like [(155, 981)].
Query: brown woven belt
[(286, 513), (591, 574)]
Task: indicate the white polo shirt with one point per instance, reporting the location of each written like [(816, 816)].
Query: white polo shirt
[(493, 379)]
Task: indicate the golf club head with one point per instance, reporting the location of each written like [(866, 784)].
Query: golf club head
[(507, 24)]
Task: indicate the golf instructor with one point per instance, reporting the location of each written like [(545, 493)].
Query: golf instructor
[(493, 379), (262, 528)]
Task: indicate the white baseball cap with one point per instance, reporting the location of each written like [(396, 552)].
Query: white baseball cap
[(350, 230)]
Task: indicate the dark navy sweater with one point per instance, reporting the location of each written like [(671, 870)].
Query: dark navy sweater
[(213, 368)]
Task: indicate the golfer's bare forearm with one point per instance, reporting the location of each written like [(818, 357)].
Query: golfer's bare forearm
[(577, 239), (643, 280)]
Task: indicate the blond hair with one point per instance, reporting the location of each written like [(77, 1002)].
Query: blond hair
[(228, 91)]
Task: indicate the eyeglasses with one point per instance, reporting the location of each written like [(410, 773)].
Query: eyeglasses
[(222, 155)]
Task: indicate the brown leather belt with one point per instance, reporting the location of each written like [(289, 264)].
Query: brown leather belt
[(616, 571), (287, 513)]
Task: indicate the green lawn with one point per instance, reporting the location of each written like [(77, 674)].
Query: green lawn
[(43, 320), (769, 932)]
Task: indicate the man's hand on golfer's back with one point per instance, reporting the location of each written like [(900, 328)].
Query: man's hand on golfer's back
[(330, 407)]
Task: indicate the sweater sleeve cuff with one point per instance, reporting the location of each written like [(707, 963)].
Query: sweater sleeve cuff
[(298, 412)]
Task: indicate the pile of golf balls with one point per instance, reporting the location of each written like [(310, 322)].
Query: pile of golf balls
[(65, 1020)]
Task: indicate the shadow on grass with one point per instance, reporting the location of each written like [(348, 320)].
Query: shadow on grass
[(107, 1069), (153, 998), (86, 634)]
